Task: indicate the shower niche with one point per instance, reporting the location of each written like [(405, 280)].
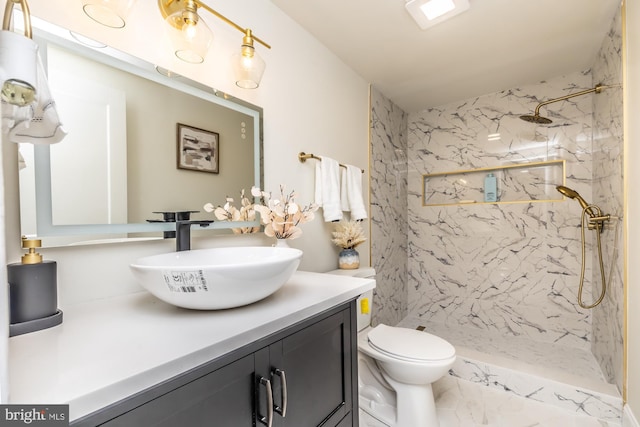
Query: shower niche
[(514, 183)]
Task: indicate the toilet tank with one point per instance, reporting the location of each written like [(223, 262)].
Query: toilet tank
[(365, 301)]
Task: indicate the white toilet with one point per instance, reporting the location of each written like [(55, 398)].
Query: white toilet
[(396, 367)]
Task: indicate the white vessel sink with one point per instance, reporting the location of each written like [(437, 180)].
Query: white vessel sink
[(217, 278)]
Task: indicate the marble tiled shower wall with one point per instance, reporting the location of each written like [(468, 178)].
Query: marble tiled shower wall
[(514, 268), (389, 208), (508, 268), (608, 136)]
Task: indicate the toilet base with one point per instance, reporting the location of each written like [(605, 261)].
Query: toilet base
[(375, 396), (416, 405), (406, 406), (383, 413), (397, 404), (414, 410)]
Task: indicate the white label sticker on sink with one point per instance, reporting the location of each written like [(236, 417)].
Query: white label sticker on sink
[(185, 281)]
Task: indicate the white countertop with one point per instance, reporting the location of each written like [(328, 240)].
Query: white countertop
[(108, 349)]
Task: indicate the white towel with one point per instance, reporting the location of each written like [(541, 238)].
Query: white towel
[(37, 123), (328, 188), (351, 193)]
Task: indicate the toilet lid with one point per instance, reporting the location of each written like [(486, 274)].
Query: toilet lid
[(410, 344)]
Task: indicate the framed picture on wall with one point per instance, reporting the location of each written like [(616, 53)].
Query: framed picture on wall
[(198, 149)]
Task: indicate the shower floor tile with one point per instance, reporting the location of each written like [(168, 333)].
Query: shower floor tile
[(463, 404), (560, 363), (548, 374)]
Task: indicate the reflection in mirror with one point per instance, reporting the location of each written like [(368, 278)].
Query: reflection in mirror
[(122, 161)]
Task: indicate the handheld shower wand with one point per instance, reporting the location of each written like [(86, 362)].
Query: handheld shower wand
[(573, 194), (595, 222)]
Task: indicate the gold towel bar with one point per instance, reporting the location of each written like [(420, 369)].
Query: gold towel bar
[(303, 157)]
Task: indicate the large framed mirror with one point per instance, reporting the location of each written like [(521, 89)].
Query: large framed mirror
[(132, 127)]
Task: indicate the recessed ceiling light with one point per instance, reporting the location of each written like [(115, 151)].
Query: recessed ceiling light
[(428, 13), (436, 8)]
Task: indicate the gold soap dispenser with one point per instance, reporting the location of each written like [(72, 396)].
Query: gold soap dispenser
[(33, 292)]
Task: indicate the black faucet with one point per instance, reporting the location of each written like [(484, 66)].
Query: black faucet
[(171, 216), (183, 233)]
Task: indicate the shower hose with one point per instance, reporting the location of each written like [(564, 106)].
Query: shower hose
[(598, 228)]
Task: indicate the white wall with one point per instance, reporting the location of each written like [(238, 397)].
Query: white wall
[(4, 300), (312, 102)]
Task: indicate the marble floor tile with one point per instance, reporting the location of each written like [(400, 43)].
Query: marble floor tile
[(518, 383), (463, 404), (524, 354)]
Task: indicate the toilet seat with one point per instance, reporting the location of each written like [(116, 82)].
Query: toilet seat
[(409, 344)]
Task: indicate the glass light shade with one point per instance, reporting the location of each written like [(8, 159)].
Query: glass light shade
[(248, 67), (190, 37), (18, 69), (111, 13)]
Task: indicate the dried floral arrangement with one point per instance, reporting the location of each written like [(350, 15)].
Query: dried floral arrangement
[(281, 216), (229, 212), (348, 234)]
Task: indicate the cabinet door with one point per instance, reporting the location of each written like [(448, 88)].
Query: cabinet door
[(222, 398), (317, 366)]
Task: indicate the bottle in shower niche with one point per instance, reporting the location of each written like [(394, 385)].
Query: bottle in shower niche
[(490, 188)]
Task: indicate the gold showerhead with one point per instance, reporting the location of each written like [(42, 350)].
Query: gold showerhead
[(536, 118)]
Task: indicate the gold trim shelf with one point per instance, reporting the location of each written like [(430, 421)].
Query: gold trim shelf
[(516, 183)]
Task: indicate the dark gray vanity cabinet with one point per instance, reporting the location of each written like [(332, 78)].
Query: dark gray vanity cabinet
[(318, 373), (221, 398), (309, 369)]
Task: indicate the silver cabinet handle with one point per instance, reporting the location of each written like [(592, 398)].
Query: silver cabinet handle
[(269, 418), (283, 379)]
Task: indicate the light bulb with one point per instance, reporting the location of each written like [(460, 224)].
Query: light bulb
[(247, 57), (190, 35), (247, 62), (189, 31), (248, 66)]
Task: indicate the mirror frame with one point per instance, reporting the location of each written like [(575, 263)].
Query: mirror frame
[(45, 33)]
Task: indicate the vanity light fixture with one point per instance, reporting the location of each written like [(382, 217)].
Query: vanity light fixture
[(110, 13), (189, 34), (248, 66), (428, 13), (191, 39)]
